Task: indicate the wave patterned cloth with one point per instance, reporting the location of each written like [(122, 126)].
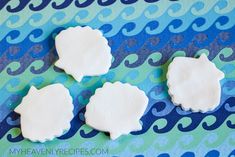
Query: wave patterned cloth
[(144, 37)]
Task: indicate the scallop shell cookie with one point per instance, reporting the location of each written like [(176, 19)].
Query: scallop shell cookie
[(45, 113), (116, 108), (83, 51), (194, 83)]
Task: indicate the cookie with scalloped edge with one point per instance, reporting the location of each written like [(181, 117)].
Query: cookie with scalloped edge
[(45, 113), (194, 83), (83, 51), (116, 108)]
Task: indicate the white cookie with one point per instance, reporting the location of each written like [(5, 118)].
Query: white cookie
[(194, 83), (83, 52), (116, 108), (45, 113)]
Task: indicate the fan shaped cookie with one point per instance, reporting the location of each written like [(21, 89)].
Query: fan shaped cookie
[(83, 51), (116, 108), (45, 113), (194, 83)]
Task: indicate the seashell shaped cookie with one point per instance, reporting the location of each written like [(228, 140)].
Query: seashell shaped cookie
[(45, 113), (83, 51), (194, 83), (116, 108)]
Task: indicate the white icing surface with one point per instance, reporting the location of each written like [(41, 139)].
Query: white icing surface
[(194, 83), (45, 113), (116, 108), (83, 52)]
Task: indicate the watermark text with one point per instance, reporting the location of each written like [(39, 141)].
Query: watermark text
[(59, 151)]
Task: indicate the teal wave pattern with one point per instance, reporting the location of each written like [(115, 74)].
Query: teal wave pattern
[(144, 37), (48, 19)]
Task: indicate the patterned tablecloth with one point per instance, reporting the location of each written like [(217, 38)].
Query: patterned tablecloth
[(144, 36)]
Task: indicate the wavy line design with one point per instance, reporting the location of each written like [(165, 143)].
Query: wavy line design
[(166, 43), (162, 109), (116, 19), (177, 8), (211, 142), (144, 36)]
